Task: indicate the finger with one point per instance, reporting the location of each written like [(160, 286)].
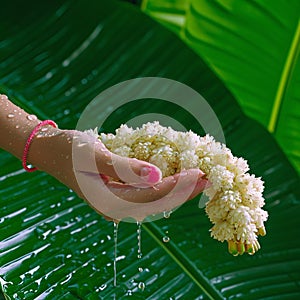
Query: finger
[(91, 155), (189, 183), (120, 201), (201, 185), (129, 170)]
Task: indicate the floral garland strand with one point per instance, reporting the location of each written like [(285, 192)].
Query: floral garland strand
[(235, 197)]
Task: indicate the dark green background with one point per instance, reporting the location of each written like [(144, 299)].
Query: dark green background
[(46, 228)]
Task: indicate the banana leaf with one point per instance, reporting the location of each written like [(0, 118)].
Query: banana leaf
[(56, 56), (253, 46)]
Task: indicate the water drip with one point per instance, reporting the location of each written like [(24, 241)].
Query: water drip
[(116, 225), (139, 238)]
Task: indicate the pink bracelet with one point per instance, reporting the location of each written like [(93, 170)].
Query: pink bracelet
[(29, 140)]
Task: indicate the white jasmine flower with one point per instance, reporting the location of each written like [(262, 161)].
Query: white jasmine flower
[(231, 199), (240, 216), (217, 210), (235, 197), (188, 160), (259, 216), (222, 231), (124, 151), (93, 132), (221, 178), (246, 234)]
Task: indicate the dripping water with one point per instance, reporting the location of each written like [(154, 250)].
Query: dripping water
[(139, 238), (116, 225), (141, 285), (167, 214)]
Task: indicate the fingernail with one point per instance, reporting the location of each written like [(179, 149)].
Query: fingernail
[(151, 174), (104, 178), (201, 173)]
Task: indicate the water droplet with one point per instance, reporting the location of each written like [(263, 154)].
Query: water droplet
[(166, 239), (141, 286), (129, 293), (48, 75), (167, 214), (44, 129), (31, 117), (103, 286), (82, 144), (65, 63), (10, 115), (141, 269), (17, 126)]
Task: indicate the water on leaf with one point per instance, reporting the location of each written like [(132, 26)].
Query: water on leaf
[(141, 286), (166, 239)]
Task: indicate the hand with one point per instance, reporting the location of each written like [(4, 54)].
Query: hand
[(114, 186)]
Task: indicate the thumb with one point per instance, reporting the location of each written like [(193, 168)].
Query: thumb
[(130, 170), (90, 156)]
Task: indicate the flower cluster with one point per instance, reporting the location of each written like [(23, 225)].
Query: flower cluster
[(235, 197)]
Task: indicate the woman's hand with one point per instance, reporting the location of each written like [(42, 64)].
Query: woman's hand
[(115, 186)]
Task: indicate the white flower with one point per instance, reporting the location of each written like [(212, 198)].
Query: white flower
[(217, 210), (259, 216), (240, 216), (188, 159), (93, 132), (246, 234), (221, 178), (222, 231), (235, 197)]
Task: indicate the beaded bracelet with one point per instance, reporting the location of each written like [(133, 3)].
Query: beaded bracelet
[(29, 140)]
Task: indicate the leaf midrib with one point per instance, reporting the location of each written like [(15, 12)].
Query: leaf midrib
[(184, 263), (284, 80)]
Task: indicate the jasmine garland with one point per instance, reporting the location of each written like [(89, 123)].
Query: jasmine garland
[(235, 197)]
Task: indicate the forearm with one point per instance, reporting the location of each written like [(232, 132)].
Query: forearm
[(15, 128)]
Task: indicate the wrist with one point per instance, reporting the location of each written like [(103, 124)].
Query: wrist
[(40, 146)]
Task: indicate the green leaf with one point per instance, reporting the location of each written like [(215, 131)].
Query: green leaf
[(55, 58), (253, 46), (170, 13)]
